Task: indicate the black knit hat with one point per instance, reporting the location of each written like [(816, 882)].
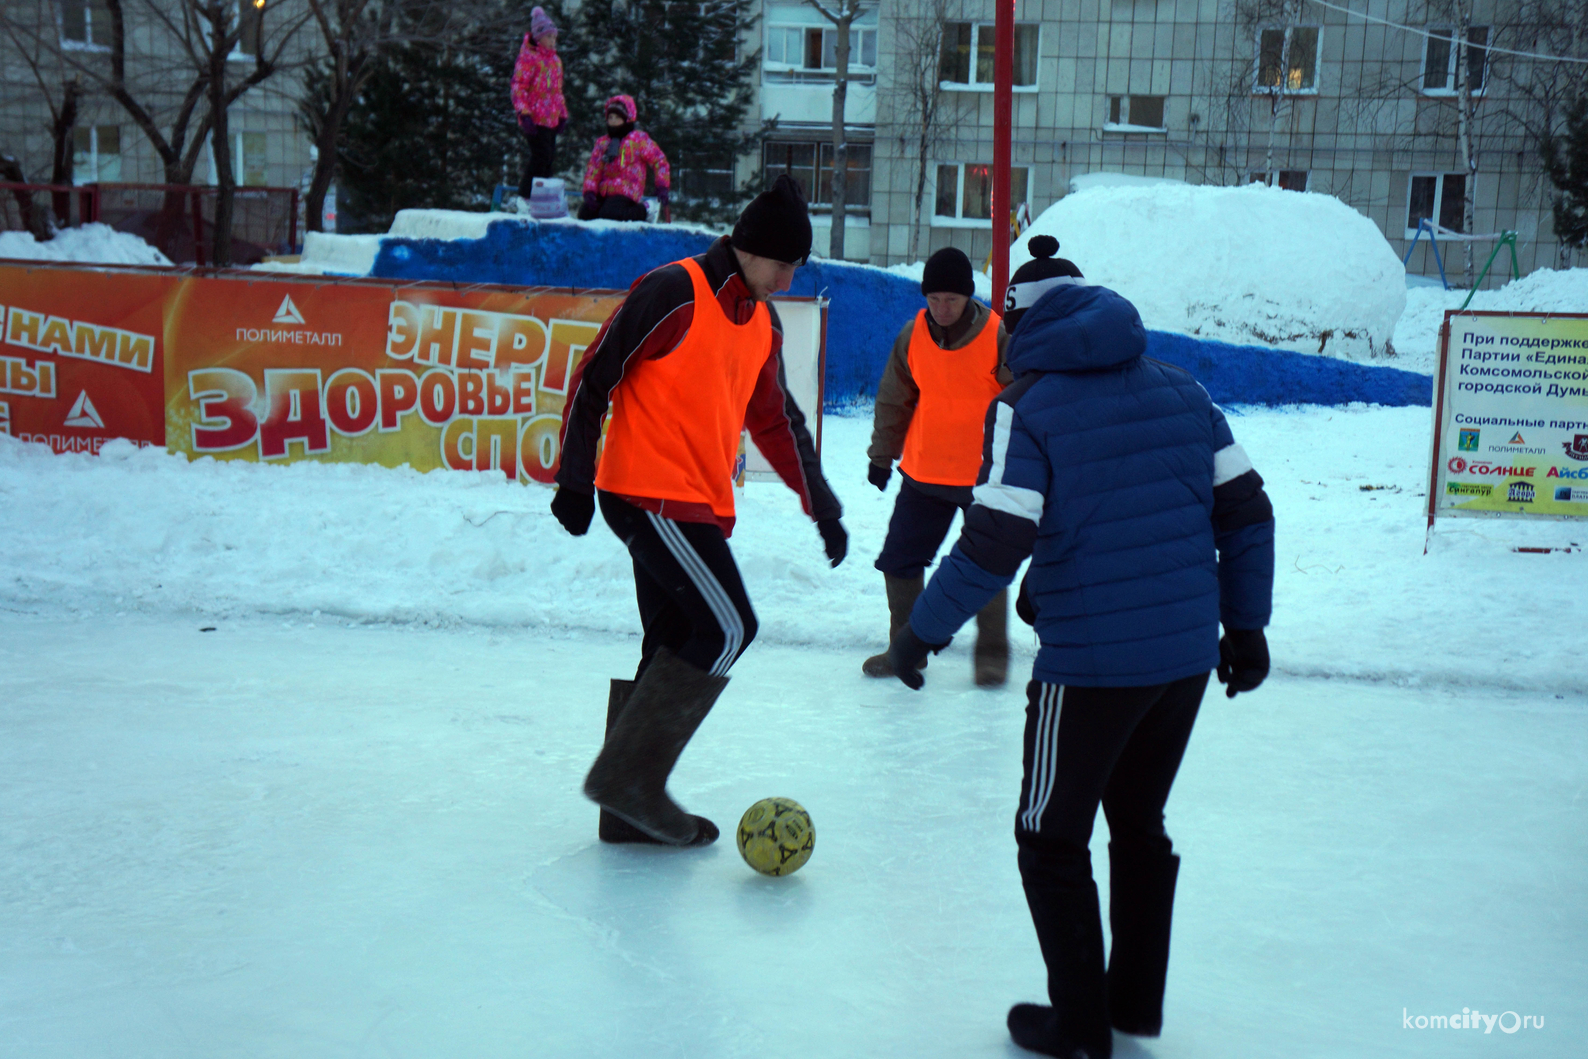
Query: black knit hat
[(1036, 277), (776, 224), (948, 272)]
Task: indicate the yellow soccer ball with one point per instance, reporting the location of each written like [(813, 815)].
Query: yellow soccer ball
[(776, 836)]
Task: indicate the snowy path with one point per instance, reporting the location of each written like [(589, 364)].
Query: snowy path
[(285, 840)]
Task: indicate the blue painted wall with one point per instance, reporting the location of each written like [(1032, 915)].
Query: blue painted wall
[(868, 308)]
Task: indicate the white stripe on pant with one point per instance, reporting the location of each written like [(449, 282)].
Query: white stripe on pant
[(1050, 707), (708, 586)]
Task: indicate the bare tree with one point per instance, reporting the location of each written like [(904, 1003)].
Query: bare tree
[(917, 74), (842, 18), (192, 43)]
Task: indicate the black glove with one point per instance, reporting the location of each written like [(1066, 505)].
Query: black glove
[(561, 125), (906, 653), (878, 474), (835, 542), (526, 125), (592, 201), (1023, 605), (1243, 660), (574, 510)]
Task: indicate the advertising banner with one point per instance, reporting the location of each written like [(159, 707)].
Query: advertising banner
[(82, 361), (278, 368), (427, 376), (1511, 416)]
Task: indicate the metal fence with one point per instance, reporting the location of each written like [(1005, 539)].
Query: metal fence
[(176, 219)]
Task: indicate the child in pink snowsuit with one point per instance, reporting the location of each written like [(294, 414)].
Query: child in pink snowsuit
[(614, 181), (537, 97)]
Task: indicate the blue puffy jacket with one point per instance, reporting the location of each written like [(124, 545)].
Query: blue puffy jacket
[(1145, 523)]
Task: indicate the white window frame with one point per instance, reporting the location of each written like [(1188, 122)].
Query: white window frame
[(92, 43), (782, 18), (1125, 126), (1448, 33), (239, 166), (1439, 193), (94, 155), (959, 221), (1260, 89), (973, 85)]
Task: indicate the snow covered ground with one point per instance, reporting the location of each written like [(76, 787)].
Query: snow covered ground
[(1543, 291), (95, 243), (346, 822)]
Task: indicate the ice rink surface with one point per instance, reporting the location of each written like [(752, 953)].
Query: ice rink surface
[(283, 839)]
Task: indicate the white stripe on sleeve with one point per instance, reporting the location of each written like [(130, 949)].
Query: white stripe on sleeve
[(1230, 463), (997, 495)]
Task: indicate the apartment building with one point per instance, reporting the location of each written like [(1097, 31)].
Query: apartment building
[(1302, 95), (49, 42)]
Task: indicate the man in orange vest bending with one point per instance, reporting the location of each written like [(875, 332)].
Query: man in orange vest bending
[(691, 358), (946, 368)]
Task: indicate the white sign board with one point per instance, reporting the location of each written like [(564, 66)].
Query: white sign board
[(804, 348)]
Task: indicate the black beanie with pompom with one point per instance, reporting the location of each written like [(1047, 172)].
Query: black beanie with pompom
[(1036, 277)]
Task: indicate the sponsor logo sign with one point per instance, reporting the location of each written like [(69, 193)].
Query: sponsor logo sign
[(1511, 402), (1567, 494), (1468, 489)]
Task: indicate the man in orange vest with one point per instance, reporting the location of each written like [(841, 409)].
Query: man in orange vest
[(691, 358), (946, 368)]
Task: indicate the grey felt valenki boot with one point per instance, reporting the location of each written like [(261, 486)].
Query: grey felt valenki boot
[(629, 777), (992, 642), (902, 594), (615, 828)]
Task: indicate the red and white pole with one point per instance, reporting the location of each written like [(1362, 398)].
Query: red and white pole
[(1003, 105)]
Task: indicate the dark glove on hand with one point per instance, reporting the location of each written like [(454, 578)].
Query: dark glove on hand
[(562, 124), (592, 201), (1243, 660), (906, 653), (878, 475), (835, 541), (1023, 605), (661, 195), (574, 510), (526, 125)]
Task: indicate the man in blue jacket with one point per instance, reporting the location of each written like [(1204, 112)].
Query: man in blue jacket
[(1147, 528)]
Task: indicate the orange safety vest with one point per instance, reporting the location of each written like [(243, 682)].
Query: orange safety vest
[(943, 444), (676, 421)]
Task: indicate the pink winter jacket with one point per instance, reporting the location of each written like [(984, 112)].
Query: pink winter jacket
[(625, 175), (537, 84)]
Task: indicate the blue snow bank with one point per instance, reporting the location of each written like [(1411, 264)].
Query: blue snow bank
[(868, 307)]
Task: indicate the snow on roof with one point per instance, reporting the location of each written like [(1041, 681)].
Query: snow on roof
[(98, 244), (1249, 265)]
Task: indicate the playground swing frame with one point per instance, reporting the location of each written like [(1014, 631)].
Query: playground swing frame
[(1505, 238)]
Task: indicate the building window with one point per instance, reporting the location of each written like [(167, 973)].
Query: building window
[(96, 154), (1439, 60), (801, 45), (1438, 197), (964, 194), (1295, 70), (800, 161), (250, 29), (970, 47), (85, 24), (249, 166), (1284, 179), (1135, 114)]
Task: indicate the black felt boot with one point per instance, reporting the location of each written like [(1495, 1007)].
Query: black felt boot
[(1064, 910), (1140, 908), (615, 828), (629, 777), (902, 594)]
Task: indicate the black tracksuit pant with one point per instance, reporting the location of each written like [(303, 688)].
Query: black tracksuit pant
[(542, 157), (1120, 747), (691, 597)]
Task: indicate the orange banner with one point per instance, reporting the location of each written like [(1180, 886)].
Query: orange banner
[(82, 356), (281, 368)]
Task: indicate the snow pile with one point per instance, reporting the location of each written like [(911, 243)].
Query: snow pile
[(1544, 291), (1248, 265), (155, 534), (1086, 181), (98, 244)]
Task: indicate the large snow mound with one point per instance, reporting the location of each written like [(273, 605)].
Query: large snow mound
[(1544, 291), (1246, 265), (98, 244)]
